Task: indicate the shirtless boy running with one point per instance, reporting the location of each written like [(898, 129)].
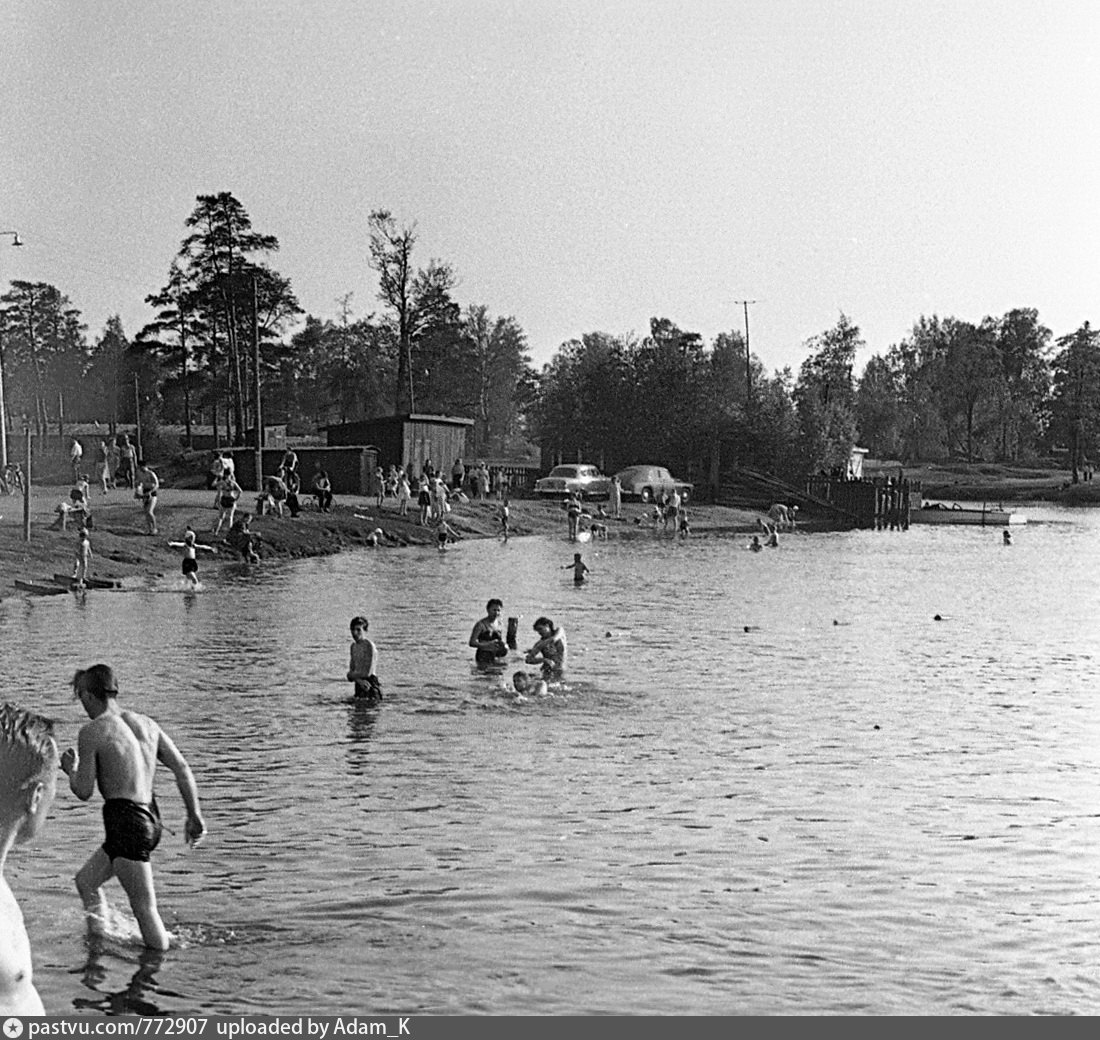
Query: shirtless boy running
[(119, 750), (28, 778)]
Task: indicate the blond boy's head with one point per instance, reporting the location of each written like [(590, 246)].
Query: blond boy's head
[(28, 770)]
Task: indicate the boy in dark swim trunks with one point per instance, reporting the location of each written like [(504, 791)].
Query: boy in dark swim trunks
[(119, 751), (189, 566)]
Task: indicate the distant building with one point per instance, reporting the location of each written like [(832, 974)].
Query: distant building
[(408, 439)]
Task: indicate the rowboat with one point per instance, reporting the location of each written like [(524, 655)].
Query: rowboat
[(40, 588), (985, 516), (91, 583)]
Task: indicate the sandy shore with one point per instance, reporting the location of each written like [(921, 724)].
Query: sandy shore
[(121, 548)]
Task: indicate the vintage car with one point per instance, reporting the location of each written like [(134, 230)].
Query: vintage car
[(647, 483), (586, 480)]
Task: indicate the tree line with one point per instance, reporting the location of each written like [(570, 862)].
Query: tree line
[(1002, 389)]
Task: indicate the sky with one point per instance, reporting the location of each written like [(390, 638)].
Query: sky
[(583, 166)]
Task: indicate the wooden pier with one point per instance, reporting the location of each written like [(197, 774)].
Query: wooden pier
[(880, 504)]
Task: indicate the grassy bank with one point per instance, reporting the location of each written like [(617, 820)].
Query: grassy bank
[(978, 481), (122, 550)]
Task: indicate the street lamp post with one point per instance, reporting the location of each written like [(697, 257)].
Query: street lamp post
[(15, 241)]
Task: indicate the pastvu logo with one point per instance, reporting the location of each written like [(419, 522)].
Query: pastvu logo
[(13, 1027)]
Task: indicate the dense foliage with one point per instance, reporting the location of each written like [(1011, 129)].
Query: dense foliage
[(997, 390)]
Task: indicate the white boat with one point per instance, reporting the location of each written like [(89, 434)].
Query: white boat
[(983, 516)]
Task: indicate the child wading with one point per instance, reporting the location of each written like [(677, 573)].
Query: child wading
[(189, 566), (579, 569), (364, 661)]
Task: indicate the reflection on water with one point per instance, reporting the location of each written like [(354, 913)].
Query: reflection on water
[(770, 783)]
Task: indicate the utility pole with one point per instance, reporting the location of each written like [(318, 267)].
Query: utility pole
[(256, 384), (137, 420), (15, 241), (748, 366)]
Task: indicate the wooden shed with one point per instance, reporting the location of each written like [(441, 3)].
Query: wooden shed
[(408, 440)]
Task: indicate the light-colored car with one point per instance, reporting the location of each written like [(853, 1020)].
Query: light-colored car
[(647, 483), (586, 480)]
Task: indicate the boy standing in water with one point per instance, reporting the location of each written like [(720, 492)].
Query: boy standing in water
[(579, 569), (189, 566), (28, 779), (82, 565), (119, 751), (364, 661)]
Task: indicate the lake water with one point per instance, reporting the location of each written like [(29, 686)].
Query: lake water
[(772, 783)]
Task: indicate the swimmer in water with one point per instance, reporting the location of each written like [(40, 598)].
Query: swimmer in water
[(529, 685), (364, 661), (579, 569), (550, 651), (487, 637), (755, 545), (119, 751)]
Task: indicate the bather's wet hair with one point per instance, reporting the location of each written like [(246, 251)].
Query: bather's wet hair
[(359, 622), (99, 680), (27, 748), (493, 603)]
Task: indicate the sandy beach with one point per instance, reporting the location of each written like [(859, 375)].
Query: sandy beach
[(122, 549)]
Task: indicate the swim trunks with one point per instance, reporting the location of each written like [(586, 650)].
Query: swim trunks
[(132, 828), (189, 566), (227, 501), (371, 688)]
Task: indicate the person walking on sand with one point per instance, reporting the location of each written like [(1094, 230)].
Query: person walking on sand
[(127, 459), (28, 781), (615, 498), (404, 493), (118, 750), (363, 667), (229, 494), (76, 454), (146, 490), (103, 464)]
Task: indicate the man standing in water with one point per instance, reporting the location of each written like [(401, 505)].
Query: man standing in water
[(28, 779), (119, 750)]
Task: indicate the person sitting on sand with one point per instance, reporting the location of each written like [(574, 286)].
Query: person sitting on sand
[(755, 545), (529, 685), (550, 650), (487, 636), (242, 539), (28, 781), (322, 489)]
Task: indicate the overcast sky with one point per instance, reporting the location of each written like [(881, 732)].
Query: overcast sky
[(584, 166)]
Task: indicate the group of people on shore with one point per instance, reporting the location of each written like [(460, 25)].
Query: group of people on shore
[(117, 752)]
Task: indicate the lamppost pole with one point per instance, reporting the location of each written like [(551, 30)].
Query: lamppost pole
[(15, 241)]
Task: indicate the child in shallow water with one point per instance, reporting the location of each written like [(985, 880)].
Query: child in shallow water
[(364, 661), (529, 685)]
